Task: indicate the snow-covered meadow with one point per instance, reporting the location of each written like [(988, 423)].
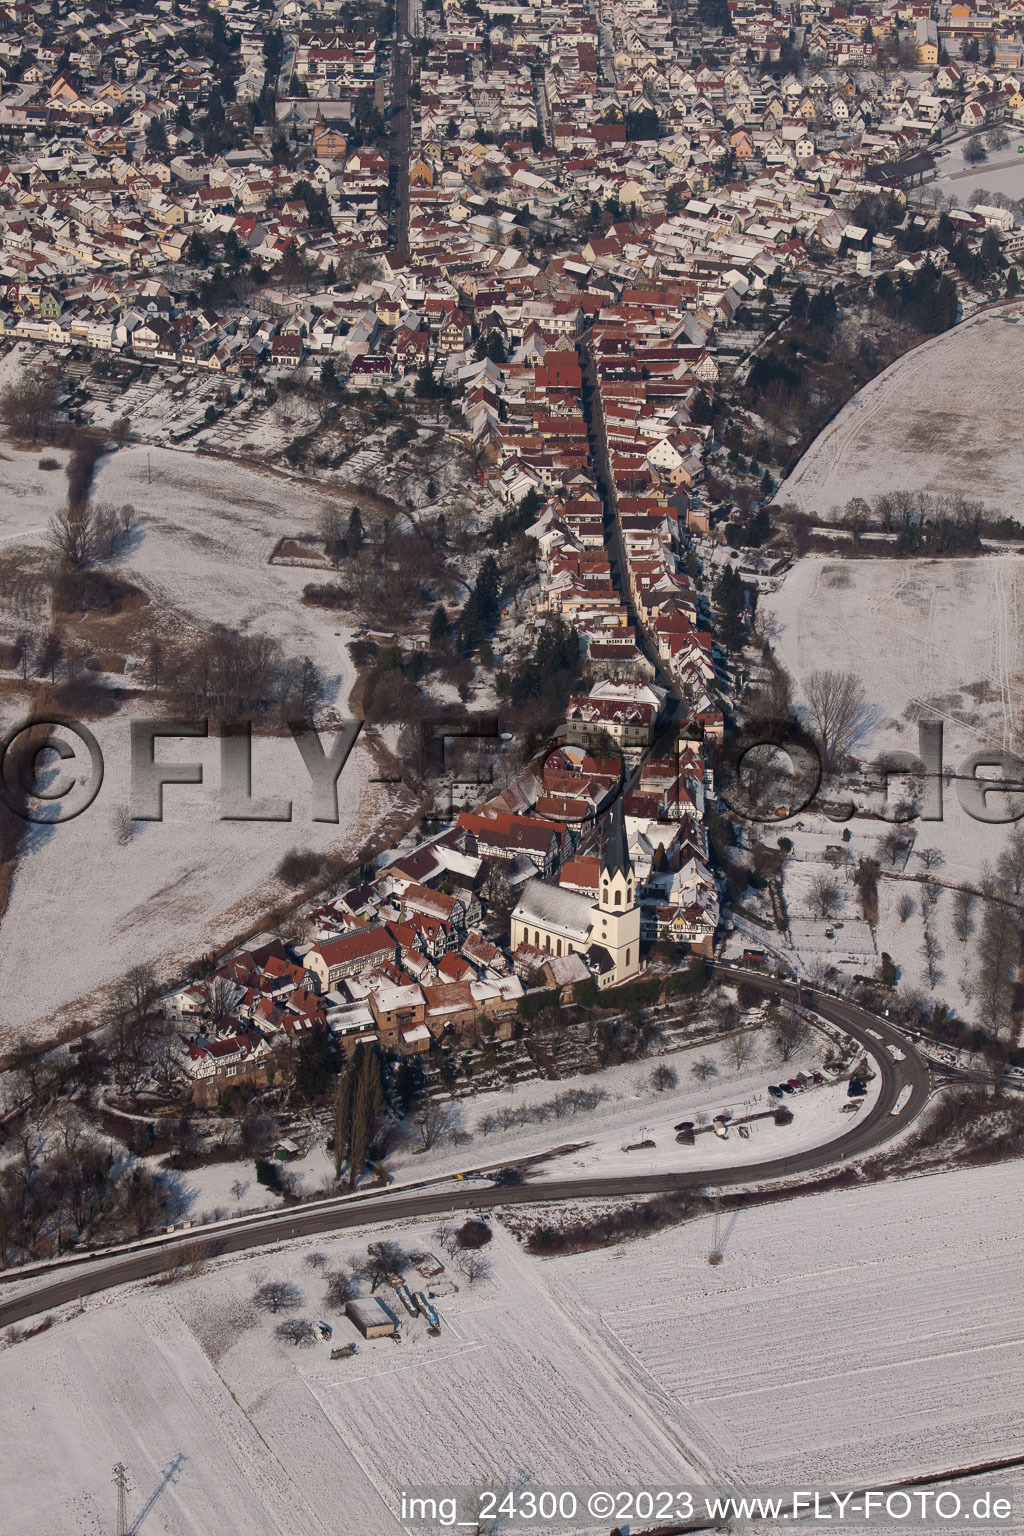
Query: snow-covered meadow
[(932, 640), (943, 418), (192, 881), (859, 1336)]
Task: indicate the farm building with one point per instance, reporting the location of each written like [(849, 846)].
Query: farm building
[(371, 1317)]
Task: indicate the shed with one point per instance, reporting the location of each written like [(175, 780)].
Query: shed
[(371, 1317)]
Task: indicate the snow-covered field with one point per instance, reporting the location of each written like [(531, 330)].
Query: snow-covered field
[(189, 883), (931, 640), (29, 495), (209, 526), (1003, 171), (943, 419), (860, 1336)]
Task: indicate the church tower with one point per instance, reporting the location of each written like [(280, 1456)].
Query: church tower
[(617, 915)]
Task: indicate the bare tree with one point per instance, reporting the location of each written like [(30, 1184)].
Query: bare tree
[(72, 537), (931, 858), (790, 1033), (383, 1259), (892, 846), (154, 663), (277, 1296), (297, 1331), (905, 906), (316, 1260), (1010, 865), (704, 1069), (963, 919), (932, 954), (218, 994), (435, 1124), (332, 523), (342, 1286), (663, 1079), (27, 408), (475, 1266), (741, 1048), (998, 951), (839, 713), (826, 895), (124, 824)]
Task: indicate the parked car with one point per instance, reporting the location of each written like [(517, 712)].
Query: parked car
[(818, 1077), (785, 1088), (774, 1091), (796, 1085), (684, 1125)]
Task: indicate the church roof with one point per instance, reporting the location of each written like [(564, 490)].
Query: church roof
[(557, 910), (615, 860)]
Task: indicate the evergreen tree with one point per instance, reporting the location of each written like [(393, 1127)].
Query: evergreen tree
[(730, 600), (343, 1094), (991, 254), (438, 627)]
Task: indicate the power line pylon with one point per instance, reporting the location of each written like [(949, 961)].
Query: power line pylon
[(121, 1484)]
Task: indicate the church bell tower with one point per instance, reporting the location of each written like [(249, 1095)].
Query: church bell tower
[(617, 915)]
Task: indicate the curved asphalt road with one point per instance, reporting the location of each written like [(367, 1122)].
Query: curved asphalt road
[(69, 1280)]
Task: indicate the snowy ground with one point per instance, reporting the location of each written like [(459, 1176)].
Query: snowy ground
[(178, 888), (845, 1338), (191, 882), (1003, 171), (941, 419), (209, 527), (29, 495), (928, 639)]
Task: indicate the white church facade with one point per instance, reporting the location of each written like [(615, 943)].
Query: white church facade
[(559, 921)]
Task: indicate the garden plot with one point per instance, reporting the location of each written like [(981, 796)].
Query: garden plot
[(944, 419), (906, 906), (930, 640)]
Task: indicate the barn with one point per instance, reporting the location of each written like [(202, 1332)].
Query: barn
[(371, 1317)]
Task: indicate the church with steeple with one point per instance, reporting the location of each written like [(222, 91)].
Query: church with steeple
[(556, 920)]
